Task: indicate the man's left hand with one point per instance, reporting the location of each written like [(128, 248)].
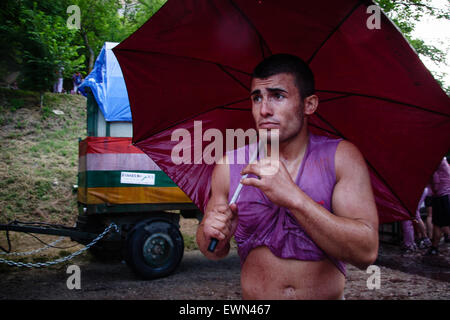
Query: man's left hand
[(273, 179)]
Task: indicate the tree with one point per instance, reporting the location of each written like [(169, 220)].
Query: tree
[(50, 48), (135, 13), (144, 10), (111, 20), (35, 40), (38, 43), (100, 22)]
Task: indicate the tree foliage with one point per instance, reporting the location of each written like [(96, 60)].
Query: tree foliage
[(51, 49), (100, 22), (111, 20), (34, 39)]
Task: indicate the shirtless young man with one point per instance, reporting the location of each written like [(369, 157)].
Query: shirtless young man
[(296, 228)]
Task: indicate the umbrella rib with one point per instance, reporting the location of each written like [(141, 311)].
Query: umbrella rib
[(334, 31), (323, 129), (369, 164), (262, 42), (193, 117), (233, 77), (335, 98), (186, 57), (386, 99), (237, 109)]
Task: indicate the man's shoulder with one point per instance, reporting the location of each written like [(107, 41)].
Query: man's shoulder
[(348, 151), (323, 142), (323, 146), (348, 158)]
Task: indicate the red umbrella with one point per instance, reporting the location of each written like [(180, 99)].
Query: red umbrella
[(192, 61)]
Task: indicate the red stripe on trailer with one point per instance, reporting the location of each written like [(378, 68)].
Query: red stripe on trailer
[(104, 145)]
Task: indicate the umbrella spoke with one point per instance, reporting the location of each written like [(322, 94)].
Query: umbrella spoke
[(322, 129), (185, 57), (333, 32), (349, 94), (335, 98), (262, 42), (195, 116), (233, 77)]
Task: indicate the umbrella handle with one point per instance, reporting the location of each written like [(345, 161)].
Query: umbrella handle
[(213, 243)]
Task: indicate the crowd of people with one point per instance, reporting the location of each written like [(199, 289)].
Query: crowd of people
[(434, 206)]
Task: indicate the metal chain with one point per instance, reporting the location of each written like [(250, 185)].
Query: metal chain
[(49, 263), (27, 253)]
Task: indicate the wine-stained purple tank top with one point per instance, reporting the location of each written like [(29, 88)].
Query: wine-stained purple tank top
[(261, 223)]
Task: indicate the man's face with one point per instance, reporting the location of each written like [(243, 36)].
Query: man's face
[(276, 104)]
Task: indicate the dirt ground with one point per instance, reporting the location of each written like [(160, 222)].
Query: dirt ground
[(403, 276)]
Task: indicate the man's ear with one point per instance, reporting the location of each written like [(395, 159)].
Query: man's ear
[(310, 104)]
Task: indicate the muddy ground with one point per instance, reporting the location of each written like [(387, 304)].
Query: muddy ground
[(403, 276)]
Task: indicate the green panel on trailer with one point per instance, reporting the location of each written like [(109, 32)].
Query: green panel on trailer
[(98, 179), (92, 114)]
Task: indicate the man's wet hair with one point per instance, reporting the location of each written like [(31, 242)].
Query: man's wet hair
[(287, 63)]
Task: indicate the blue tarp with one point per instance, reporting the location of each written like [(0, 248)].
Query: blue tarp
[(107, 85)]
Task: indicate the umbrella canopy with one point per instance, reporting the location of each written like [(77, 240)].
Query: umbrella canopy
[(192, 61)]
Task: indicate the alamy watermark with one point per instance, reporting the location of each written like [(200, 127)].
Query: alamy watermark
[(74, 20), (374, 21), (374, 280), (74, 280), (189, 149)]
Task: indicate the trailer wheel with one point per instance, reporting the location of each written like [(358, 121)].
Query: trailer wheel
[(154, 249)]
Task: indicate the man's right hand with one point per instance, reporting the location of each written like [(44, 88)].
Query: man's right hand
[(220, 219), (220, 223)]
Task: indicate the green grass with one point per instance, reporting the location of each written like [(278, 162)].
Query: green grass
[(189, 242), (39, 155)]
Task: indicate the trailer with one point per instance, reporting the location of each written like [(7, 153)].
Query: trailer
[(119, 185)]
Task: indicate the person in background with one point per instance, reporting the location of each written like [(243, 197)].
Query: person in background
[(409, 244), (417, 225), (440, 185), (429, 211), (421, 231), (77, 80), (58, 85)]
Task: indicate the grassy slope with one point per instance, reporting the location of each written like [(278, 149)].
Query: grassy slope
[(39, 161), (39, 155)]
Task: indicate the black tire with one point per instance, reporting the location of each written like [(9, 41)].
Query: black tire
[(154, 249)]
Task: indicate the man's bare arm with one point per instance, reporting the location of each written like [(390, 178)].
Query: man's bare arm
[(218, 217), (351, 233)]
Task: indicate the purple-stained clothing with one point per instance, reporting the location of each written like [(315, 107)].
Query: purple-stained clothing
[(441, 179), (262, 223), (426, 192), (407, 225), (408, 234)]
